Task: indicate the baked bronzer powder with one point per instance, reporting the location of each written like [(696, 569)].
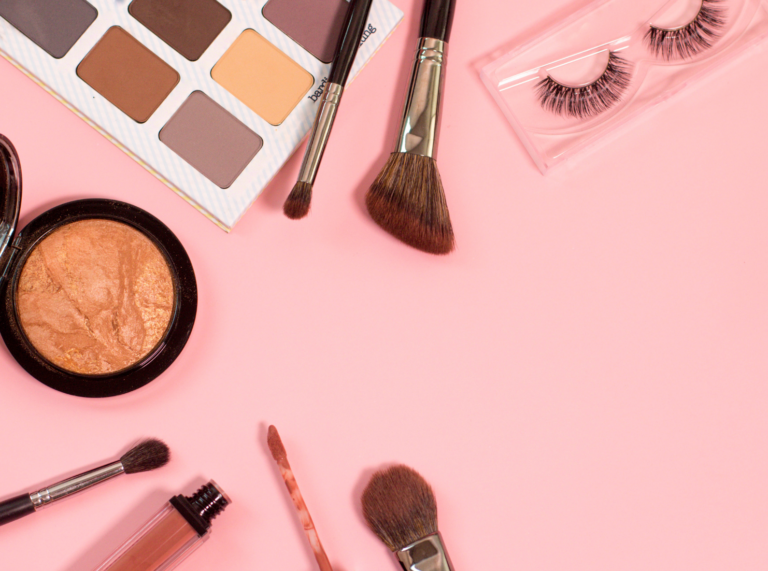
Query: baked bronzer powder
[(95, 297)]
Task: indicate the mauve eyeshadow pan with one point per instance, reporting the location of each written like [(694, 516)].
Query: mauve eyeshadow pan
[(313, 24), (211, 139), (188, 26), (54, 25)]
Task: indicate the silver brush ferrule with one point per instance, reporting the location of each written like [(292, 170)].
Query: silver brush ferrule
[(427, 554), (421, 116), (75, 484), (321, 130)]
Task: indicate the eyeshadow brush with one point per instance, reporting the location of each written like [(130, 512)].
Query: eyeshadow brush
[(297, 204), (399, 507), (147, 455), (407, 198), (281, 458)]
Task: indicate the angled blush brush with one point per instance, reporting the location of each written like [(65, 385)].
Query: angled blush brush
[(298, 202), (147, 455), (281, 458), (407, 198), (399, 507)]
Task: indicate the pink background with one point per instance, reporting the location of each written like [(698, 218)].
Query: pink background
[(583, 381)]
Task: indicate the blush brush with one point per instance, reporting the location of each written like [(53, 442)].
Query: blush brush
[(298, 202), (407, 198), (399, 506), (281, 458), (147, 455)]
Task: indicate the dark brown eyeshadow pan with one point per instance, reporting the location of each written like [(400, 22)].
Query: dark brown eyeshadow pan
[(188, 26)]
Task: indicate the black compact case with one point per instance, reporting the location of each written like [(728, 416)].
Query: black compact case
[(14, 251)]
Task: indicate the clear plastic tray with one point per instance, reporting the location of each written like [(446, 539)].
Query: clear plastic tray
[(607, 63)]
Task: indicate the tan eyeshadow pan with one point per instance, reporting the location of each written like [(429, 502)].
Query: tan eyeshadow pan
[(95, 297), (128, 74), (262, 77)]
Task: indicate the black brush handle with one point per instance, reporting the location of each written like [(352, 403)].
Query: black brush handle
[(15, 508), (349, 40), (437, 18)]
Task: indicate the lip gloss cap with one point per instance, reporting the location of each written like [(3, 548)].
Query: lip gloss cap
[(202, 507)]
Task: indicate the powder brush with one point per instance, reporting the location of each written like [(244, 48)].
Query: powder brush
[(399, 506), (281, 458), (298, 202), (147, 455), (407, 198)]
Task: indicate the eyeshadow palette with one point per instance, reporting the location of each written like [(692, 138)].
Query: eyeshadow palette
[(211, 96)]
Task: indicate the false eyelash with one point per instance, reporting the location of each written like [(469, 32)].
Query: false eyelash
[(693, 38), (588, 100)]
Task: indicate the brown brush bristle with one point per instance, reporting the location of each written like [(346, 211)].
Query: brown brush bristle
[(407, 200), (147, 455), (399, 506), (297, 204), (276, 444)]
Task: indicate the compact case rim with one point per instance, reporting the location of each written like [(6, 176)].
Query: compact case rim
[(14, 251)]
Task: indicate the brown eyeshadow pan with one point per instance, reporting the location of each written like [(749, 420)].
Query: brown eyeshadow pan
[(95, 297), (128, 74), (188, 26)]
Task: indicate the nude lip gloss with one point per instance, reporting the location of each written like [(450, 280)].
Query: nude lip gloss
[(171, 535)]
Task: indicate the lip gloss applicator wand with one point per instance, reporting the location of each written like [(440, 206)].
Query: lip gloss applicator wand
[(297, 204)]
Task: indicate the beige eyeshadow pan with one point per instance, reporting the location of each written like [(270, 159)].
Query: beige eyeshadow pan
[(95, 297), (263, 77)]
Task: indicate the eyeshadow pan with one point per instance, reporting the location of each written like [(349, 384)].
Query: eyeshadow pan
[(54, 25), (95, 297), (128, 74), (313, 24), (188, 26), (211, 139), (262, 77)]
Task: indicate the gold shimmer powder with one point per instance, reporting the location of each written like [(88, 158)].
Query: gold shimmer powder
[(95, 297)]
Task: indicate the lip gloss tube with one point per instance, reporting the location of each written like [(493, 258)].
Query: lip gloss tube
[(171, 535)]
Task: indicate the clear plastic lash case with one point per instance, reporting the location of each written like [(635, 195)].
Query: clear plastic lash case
[(612, 60)]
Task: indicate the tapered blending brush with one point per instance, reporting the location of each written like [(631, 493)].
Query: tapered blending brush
[(407, 198), (145, 456), (281, 457), (400, 508), (298, 202)]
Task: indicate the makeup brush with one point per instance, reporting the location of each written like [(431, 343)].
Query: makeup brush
[(281, 457), (297, 204), (400, 508), (147, 455), (407, 198)]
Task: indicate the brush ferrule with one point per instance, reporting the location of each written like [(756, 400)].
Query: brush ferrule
[(427, 554), (421, 117), (75, 484), (321, 131)]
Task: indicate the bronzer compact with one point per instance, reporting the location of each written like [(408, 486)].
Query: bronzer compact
[(97, 297)]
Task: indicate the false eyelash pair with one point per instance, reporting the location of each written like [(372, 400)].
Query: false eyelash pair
[(669, 44)]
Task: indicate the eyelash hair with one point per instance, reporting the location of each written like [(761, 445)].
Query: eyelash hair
[(588, 100), (693, 38)]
